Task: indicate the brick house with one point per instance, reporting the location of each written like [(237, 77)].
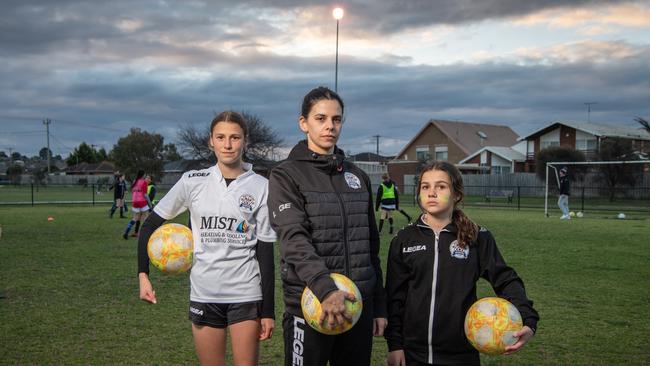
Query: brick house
[(452, 141), (585, 137)]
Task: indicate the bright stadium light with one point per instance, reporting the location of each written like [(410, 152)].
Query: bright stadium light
[(337, 13)]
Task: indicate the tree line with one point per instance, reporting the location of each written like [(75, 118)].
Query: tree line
[(145, 150)]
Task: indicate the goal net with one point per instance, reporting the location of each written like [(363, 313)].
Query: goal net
[(603, 185)]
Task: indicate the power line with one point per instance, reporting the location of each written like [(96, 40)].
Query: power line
[(89, 125), (22, 132), (64, 121)]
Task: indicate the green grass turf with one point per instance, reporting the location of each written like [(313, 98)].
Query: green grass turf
[(71, 292)]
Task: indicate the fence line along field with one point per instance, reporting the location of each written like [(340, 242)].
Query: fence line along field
[(69, 291)]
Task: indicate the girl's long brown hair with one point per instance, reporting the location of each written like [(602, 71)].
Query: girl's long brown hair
[(467, 229)]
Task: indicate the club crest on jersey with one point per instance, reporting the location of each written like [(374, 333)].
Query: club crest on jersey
[(457, 251), (352, 180), (242, 227), (246, 202)]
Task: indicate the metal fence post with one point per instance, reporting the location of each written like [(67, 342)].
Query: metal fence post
[(518, 197), (582, 208), (93, 188)]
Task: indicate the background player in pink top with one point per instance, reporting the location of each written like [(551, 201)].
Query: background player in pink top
[(140, 204)]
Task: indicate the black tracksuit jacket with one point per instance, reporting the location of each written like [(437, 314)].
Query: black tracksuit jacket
[(431, 327), (321, 210), (565, 185)]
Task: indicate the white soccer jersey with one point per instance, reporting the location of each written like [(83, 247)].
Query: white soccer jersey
[(227, 221)]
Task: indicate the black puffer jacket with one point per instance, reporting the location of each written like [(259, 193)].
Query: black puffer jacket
[(321, 209)]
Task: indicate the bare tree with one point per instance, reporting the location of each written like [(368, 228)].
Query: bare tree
[(262, 140), (615, 176), (643, 122)]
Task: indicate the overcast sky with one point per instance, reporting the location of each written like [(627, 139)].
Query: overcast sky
[(98, 68)]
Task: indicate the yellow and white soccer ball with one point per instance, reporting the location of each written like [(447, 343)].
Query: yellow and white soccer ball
[(572, 214), (490, 325), (311, 308), (171, 248)]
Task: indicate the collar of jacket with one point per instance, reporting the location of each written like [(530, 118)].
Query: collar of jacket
[(329, 163), (451, 227)]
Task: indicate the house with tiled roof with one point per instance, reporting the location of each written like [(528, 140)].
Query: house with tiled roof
[(585, 137), (452, 141), (497, 159)]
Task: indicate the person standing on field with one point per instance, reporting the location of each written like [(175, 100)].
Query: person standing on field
[(119, 190), (433, 267), (151, 190), (388, 200), (139, 206), (231, 280), (565, 192), (321, 207)]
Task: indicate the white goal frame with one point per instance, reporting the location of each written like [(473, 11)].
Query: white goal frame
[(553, 164)]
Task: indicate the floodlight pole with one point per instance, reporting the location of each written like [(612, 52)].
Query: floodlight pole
[(337, 13), (336, 63)]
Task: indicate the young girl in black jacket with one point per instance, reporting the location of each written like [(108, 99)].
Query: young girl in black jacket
[(433, 267)]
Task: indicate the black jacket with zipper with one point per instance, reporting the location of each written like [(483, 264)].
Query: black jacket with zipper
[(430, 285), (321, 210)]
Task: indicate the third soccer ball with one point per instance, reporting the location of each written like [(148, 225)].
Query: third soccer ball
[(490, 325), (580, 214)]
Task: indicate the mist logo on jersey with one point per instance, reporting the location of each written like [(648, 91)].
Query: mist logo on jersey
[(223, 230), (352, 180), (242, 227), (247, 202), (457, 251)]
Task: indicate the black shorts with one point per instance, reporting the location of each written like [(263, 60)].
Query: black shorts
[(222, 315)]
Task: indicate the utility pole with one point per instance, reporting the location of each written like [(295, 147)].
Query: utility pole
[(47, 122), (377, 137), (589, 104)]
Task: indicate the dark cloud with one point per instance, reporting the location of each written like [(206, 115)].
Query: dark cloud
[(381, 98), (98, 68)]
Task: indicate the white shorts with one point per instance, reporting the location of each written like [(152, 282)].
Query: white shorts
[(141, 209)]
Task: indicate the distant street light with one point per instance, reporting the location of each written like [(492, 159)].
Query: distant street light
[(337, 13), (589, 104)]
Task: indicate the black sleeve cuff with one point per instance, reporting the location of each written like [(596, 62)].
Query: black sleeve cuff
[(531, 323), (264, 254), (150, 225)]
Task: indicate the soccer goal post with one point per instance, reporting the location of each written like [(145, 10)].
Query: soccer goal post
[(554, 164)]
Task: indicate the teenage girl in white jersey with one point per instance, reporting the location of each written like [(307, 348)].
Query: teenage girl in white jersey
[(232, 283)]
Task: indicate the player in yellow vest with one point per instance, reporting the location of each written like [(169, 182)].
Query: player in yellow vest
[(388, 200), (151, 189)]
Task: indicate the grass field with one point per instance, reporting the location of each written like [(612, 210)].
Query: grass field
[(67, 194), (70, 293)]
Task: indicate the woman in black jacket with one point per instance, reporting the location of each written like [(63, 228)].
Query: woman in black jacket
[(433, 267), (321, 209)]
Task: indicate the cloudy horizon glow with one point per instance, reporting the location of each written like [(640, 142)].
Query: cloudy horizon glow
[(99, 68)]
